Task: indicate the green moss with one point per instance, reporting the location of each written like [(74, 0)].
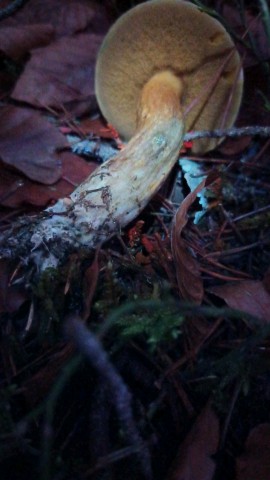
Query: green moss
[(159, 323)]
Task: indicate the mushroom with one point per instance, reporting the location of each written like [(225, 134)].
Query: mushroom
[(163, 68), (169, 44)]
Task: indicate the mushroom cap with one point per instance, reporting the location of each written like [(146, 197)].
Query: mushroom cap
[(170, 35)]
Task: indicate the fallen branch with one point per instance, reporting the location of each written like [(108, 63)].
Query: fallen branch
[(230, 132), (104, 150), (11, 8), (90, 347)]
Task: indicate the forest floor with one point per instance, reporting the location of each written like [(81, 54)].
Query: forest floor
[(171, 367)]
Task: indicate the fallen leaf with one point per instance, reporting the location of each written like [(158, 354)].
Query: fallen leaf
[(16, 41), (254, 464), (75, 168), (188, 275), (194, 460), (17, 190), (65, 16), (61, 73), (249, 296), (97, 127), (28, 142)]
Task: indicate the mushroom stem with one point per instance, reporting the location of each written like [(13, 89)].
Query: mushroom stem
[(117, 191), (161, 94)]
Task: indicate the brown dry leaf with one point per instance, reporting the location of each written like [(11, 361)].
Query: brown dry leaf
[(188, 274), (254, 464), (28, 142), (65, 16), (97, 127), (75, 169), (16, 41), (193, 460), (17, 190), (187, 269), (60, 74), (94, 127), (250, 296)]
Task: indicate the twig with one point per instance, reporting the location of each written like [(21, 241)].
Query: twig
[(91, 348), (230, 132), (230, 221), (11, 8), (252, 213), (104, 150), (233, 251)]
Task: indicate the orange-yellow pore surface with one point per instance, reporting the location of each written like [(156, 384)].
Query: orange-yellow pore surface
[(175, 36)]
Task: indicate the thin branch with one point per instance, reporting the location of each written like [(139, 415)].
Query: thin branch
[(230, 132), (104, 150), (11, 8), (89, 346)]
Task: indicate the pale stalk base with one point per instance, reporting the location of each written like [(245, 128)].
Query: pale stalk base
[(119, 189)]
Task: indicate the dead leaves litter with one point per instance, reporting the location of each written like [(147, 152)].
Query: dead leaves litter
[(188, 275)]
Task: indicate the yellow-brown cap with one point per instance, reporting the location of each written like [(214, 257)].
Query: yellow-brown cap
[(170, 35)]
